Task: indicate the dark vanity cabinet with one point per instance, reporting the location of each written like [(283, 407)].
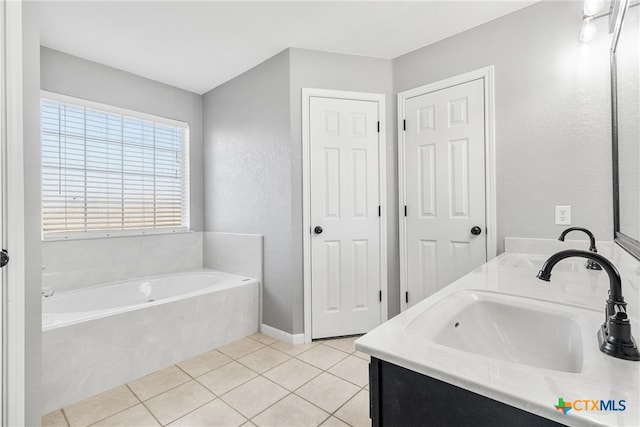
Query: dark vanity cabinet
[(400, 397)]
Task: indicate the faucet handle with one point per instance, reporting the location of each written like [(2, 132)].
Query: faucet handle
[(621, 315)]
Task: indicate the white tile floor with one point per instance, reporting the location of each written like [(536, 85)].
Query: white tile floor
[(254, 381)]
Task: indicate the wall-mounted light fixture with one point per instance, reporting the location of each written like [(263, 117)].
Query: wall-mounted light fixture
[(592, 7), (590, 11)]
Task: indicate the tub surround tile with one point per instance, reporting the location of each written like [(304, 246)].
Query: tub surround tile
[(293, 349), (54, 419), (204, 363), (213, 414), (254, 397), (240, 348), (76, 264), (292, 374), (158, 382), (226, 378), (137, 416), (356, 411), (352, 369), (178, 401), (291, 411), (322, 356), (233, 252), (264, 359), (100, 407), (118, 349), (343, 344), (327, 392)]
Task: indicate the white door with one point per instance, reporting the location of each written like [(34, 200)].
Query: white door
[(444, 183), (345, 222), (3, 143)]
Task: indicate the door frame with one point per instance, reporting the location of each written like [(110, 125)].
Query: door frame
[(307, 94), (12, 181), (486, 74)]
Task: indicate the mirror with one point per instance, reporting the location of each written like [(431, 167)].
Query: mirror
[(625, 102)]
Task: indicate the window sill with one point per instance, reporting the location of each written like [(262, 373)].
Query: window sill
[(112, 235)]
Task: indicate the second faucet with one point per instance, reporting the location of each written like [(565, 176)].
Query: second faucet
[(591, 264)]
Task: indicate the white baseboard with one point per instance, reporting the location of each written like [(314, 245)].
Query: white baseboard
[(281, 335)]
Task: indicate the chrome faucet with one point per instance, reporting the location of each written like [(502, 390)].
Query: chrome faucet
[(591, 264), (614, 336)]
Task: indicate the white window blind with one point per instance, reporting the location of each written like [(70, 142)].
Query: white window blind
[(108, 171)]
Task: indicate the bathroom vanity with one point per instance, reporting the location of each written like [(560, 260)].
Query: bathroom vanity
[(402, 397), (500, 347)]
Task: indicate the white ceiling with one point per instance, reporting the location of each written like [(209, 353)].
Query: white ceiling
[(198, 45)]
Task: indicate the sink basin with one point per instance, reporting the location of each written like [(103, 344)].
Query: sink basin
[(535, 263), (515, 329)]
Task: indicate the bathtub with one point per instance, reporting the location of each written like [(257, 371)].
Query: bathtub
[(107, 335)]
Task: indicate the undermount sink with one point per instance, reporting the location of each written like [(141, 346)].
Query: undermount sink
[(535, 263), (515, 329)]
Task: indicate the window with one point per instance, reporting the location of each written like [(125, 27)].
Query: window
[(108, 171)]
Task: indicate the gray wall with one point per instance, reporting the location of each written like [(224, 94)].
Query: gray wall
[(69, 75), (322, 70), (247, 176), (553, 131), (253, 158), (31, 117)]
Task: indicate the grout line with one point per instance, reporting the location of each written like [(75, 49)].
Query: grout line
[(65, 417), (210, 370), (259, 374), (251, 352), (156, 395), (151, 413), (165, 391), (273, 367), (342, 406), (114, 414), (191, 411)]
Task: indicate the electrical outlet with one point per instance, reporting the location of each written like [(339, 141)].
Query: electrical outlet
[(563, 215)]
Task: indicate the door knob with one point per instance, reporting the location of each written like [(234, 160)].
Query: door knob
[(4, 258), (475, 230), (317, 229)]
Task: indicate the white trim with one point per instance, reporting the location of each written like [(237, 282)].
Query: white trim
[(487, 74), (307, 93), (90, 235), (13, 205), (286, 337), (111, 109)]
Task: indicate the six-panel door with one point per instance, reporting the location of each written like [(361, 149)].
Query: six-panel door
[(444, 164), (345, 255)]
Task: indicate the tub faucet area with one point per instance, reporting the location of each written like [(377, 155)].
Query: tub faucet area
[(591, 264), (614, 336)]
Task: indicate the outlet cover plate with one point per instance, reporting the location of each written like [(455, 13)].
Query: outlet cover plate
[(563, 215)]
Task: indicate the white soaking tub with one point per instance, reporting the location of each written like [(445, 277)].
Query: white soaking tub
[(104, 336)]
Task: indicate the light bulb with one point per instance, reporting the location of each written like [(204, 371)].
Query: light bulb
[(591, 7), (588, 31)]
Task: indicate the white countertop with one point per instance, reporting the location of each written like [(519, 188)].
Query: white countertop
[(529, 388)]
